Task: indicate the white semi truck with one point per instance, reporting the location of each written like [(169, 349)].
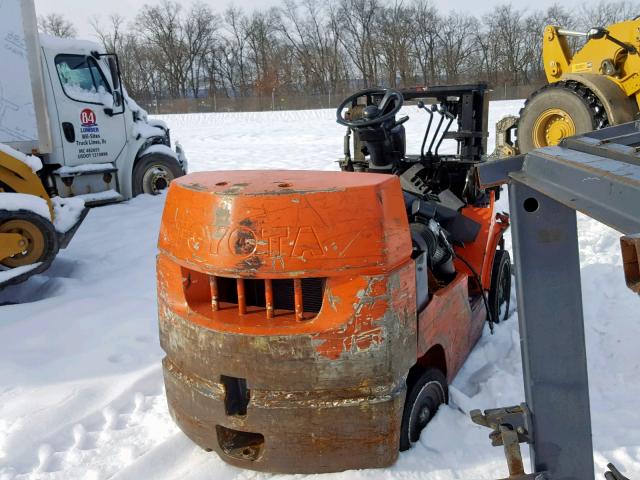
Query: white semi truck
[(63, 100)]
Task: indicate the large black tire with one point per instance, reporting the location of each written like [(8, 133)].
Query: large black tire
[(579, 103), (425, 394), (500, 291), (153, 173), (42, 240)]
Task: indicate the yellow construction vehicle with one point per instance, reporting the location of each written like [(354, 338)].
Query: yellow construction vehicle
[(29, 236), (595, 86)]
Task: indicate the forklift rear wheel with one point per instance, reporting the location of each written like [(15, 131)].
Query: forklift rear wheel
[(153, 173), (424, 397), (41, 244), (500, 291)]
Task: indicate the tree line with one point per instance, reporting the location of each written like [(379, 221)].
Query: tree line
[(328, 47)]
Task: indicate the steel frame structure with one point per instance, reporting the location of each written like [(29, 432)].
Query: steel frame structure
[(597, 174)]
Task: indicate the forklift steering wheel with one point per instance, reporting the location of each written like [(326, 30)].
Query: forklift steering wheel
[(372, 114)]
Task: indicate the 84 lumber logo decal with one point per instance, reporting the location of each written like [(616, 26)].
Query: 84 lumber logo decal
[(90, 142)]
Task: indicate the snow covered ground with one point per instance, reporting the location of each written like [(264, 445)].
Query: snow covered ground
[(81, 392)]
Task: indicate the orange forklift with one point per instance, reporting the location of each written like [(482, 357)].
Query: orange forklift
[(312, 320)]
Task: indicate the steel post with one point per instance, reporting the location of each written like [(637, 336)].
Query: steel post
[(551, 325)]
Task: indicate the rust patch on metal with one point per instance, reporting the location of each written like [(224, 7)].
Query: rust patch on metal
[(248, 265), (244, 241), (630, 247)]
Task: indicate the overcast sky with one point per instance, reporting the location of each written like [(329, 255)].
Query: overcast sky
[(79, 11)]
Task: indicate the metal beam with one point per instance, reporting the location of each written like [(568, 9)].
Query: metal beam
[(554, 362), (605, 189)]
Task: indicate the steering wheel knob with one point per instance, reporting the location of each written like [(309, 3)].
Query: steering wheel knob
[(370, 112)]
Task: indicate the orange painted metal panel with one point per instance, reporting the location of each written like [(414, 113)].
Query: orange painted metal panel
[(480, 253), (341, 369), (280, 224)]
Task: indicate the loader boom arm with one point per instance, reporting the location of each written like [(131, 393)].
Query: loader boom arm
[(611, 55)]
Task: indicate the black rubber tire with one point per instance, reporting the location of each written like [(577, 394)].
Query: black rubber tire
[(45, 227), (584, 107), (151, 161), (430, 389), (500, 291)]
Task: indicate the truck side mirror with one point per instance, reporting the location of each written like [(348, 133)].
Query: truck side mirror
[(113, 69), (117, 98)]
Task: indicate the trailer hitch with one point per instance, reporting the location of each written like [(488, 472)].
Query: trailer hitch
[(510, 426)]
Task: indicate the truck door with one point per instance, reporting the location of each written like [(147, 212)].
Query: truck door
[(93, 128)]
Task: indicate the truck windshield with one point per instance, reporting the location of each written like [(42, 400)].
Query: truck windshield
[(82, 80)]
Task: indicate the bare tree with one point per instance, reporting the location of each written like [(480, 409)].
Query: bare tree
[(313, 47), (259, 30), (394, 22), (425, 23), (163, 32), (235, 46), (200, 26), (456, 45), (314, 44), (507, 29), (55, 24), (357, 21), (605, 13)]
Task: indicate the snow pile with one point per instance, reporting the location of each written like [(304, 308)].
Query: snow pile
[(32, 161), (155, 122), (69, 45), (137, 110), (81, 391), (67, 212), (161, 149), (5, 276), (22, 201), (144, 130), (143, 126), (85, 168), (104, 196), (100, 96)]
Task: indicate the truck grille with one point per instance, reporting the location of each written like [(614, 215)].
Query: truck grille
[(301, 297)]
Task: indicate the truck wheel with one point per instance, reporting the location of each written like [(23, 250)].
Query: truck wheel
[(39, 234), (424, 397), (153, 173), (500, 291)]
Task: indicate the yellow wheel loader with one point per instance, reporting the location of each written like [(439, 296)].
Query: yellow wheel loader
[(29, 239), (595, 86)]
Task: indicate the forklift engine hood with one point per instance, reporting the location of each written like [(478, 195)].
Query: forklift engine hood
[(287, 310)]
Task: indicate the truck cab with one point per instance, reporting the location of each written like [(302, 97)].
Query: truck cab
[(103, 146)]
